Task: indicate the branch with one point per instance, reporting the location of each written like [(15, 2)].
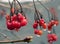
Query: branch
[(27, 39)]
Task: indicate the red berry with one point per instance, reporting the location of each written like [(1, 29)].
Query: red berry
[(49, 27), (9, 25), (35, 25), (20, 17), (35, 31), (16, 24), (40, 32), (52, 22), (49, 36), (41, 22), (24, 22), (44, 26), (14, 17), (54, 36)]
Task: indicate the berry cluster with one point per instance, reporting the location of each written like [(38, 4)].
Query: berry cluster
[(54, 19), (51, 24), (52, 38), (15, 20)]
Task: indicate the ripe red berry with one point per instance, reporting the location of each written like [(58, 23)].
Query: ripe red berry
[(40, 32), (44, 26), (14, 17), (9, 25), (54, 36), (16, 24), (20, 17), (49, 28), (35, 25), (52, 22), (24, 22), (35, 31), (41, 22)]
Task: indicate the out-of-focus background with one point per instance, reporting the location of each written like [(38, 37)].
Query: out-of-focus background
[(28, 30)]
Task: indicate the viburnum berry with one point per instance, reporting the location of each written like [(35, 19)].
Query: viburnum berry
[(35, 31), (38, 32), (41, 22), (35, 25), (44, 26), (16, 24), (9, 25), (24, 22), (52, 22), (54, 36), (49, 28), (14, 17), (20, 17)]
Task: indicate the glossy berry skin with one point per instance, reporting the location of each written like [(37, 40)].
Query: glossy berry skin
[(44, 26), (51, 37), (24, 22), (49, 27), (54, 36), (20, 17), (9, 25), (41, 22), (35, 31), (14, 17), (35, 25), (16, 24), (52, 22), (40, 32)]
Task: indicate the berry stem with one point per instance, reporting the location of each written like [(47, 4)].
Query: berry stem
[(46, 9)]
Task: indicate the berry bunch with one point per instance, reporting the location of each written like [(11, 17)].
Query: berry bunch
[(38, 22), (54, 19), (52, 38), (15, 20)]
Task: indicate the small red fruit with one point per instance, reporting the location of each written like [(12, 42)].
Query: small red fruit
[(24, 22), (41, 22), (14, 17), (20, 17), (35, 31), (16, 24), (35, 25), (44, 26), (52, 22), (54, 36), (40, 32), (49, 28), (9, 25)]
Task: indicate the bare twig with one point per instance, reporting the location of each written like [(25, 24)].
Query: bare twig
[(27, 39)]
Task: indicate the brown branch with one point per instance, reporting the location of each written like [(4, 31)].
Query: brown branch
[(27, 39)]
